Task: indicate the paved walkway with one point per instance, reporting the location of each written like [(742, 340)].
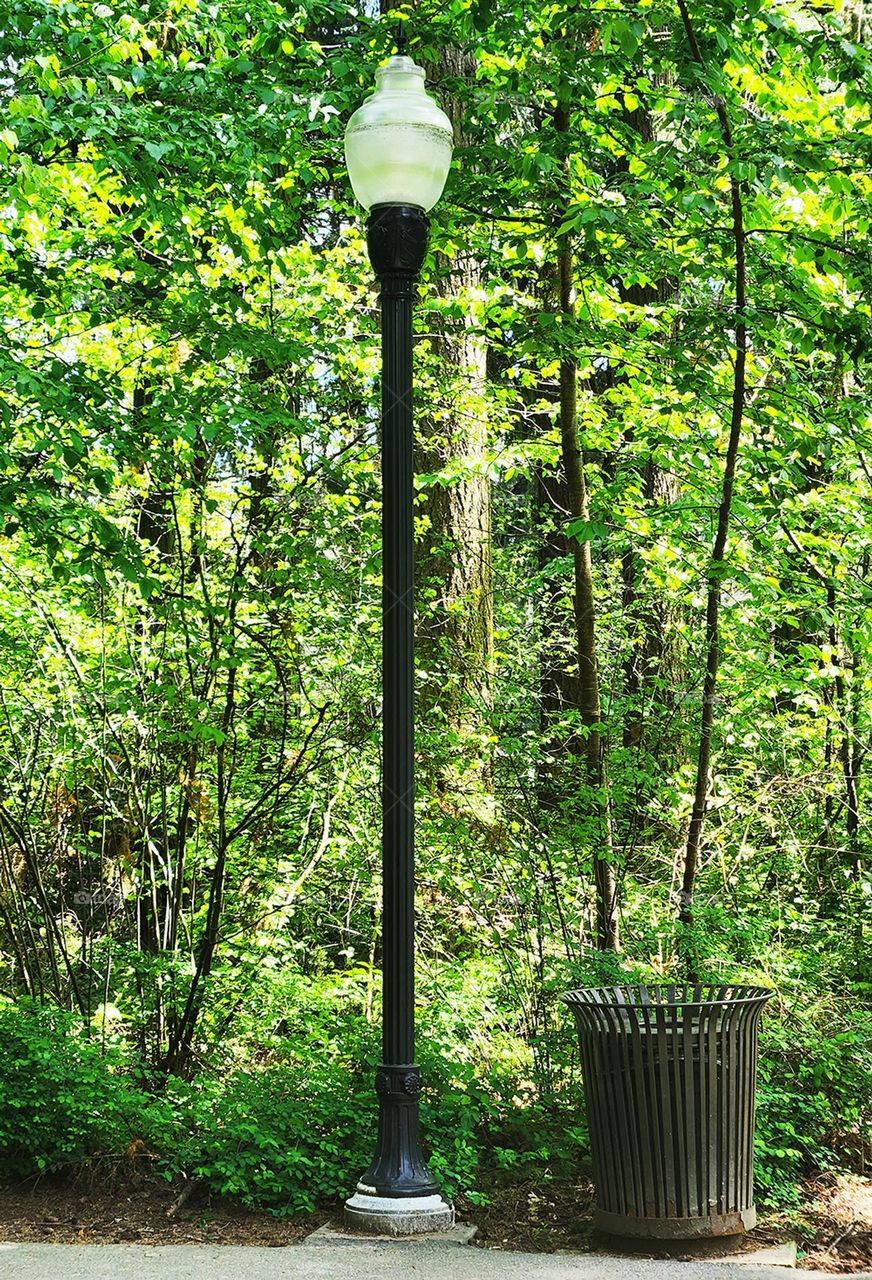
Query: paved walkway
[(361, 1261)]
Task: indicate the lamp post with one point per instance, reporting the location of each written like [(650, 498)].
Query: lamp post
[(398, 152)]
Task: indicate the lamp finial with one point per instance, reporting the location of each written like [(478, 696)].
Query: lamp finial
[(400, 39)]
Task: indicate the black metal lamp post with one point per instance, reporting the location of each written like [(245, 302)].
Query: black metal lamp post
[(398, 152)]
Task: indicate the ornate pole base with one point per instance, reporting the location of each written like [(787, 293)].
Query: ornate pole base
[(398, 1195)]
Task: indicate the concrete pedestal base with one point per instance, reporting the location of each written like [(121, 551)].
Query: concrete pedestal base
[(338, 1233), (400, 1216)]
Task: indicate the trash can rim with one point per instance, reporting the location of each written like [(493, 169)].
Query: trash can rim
[(586, 997)]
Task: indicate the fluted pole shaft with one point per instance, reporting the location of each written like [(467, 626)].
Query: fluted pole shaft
[(398, 706)]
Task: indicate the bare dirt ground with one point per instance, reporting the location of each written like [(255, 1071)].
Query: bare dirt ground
[(72, 1211), (843, 1224), (832, 1225)]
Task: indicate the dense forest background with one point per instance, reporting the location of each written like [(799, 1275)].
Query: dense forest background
[(644, 580)]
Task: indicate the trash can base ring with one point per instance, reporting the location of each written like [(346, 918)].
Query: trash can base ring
[(721, 1224)]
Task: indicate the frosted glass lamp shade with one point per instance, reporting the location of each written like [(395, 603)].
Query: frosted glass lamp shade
[(398, 144)]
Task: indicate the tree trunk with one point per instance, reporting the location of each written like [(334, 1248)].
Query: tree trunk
[(584, 609), (713, 596), (453, 557)]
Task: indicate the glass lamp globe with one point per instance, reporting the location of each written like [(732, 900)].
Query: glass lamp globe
[(398, 144)]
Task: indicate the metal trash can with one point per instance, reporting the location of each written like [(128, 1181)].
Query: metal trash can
[(669, 1075)]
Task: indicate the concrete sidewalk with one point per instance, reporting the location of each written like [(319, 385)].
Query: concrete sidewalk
[(363, 1261)]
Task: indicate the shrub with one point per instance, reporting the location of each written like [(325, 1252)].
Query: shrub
[(814, 1093), (63, 1097), (284, 1138)]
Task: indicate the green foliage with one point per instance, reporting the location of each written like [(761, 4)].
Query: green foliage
[(282, 1138), (814, 1099), (294, 1132), (63, 1097)]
